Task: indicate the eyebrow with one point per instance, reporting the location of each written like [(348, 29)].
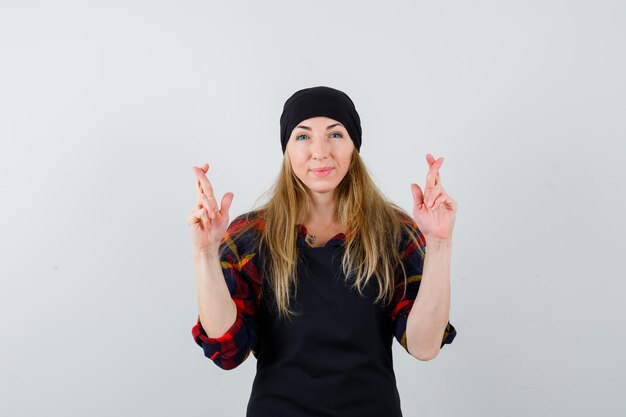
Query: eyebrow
[(308, 128)]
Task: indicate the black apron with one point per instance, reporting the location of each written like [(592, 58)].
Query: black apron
[(334, 359)]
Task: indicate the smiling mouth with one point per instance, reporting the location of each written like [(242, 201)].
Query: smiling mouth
[(322, 173)]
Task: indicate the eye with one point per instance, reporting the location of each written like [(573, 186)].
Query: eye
[(339, 136)]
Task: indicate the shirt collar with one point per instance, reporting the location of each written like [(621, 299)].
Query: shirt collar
[(337, 240)]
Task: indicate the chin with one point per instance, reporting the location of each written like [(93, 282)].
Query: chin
[(326, 189)]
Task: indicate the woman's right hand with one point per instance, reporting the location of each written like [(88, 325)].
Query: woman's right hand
[(208, 222)]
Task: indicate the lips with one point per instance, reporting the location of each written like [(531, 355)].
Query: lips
[(322, 169), (322, 172)]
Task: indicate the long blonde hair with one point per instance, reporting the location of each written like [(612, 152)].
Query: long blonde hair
[(373, 232)]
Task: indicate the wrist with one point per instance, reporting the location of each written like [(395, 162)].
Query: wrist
[(208, 254), (437, 243)]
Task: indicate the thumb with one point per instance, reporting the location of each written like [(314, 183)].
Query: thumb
[(227, 199), (418, 196)]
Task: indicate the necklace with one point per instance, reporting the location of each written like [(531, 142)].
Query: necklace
[(311, 238)]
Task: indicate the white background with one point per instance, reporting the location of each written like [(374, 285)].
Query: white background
[(105, 106)]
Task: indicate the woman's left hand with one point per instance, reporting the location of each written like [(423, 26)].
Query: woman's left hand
[(434, 211)]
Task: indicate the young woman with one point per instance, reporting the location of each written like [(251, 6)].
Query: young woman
[(317, 281)]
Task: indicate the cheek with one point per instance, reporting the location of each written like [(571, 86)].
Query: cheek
[(298, 162), (298, 165), (346, 158)]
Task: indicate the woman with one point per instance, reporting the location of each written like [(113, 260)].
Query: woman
[(317, 281)]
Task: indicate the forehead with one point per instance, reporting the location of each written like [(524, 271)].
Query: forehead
[(318, 121)]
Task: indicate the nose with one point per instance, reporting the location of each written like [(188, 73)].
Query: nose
[(319, 147)]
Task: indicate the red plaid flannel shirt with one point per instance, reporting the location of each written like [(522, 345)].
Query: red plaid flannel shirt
[(244, 280)]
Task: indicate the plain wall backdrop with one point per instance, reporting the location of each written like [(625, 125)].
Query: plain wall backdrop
[(106, 105)]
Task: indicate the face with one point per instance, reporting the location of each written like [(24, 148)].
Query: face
[(320, 142)]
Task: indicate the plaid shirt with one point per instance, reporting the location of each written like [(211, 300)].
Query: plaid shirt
[(244, 280)]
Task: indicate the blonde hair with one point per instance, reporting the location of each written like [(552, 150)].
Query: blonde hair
[(372, 241)]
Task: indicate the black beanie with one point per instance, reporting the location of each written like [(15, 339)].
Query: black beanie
[(320, 101)]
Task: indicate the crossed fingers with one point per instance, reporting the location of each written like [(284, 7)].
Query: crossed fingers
[(204, 192), (433, 189)]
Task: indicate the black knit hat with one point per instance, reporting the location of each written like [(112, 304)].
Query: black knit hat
[(320, 101)]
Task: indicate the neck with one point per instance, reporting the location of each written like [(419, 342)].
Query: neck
[(322, 210)]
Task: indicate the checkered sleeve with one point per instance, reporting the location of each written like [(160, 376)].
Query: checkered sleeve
[(413, 262), (243, 280)]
